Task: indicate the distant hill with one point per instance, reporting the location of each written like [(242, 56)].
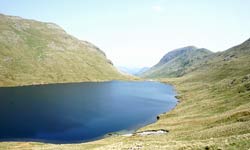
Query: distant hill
[(214, 103), (141, 71), (230, 63), (33, 52), (177, 62), (133, 71)]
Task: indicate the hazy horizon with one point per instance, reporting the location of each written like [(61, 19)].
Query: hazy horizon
[(138, 33)]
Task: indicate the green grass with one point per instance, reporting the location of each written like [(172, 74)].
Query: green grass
[(176, 63), (33, 52), (206, 117), (213, 113)]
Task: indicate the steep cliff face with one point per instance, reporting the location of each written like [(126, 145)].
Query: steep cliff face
[(33, 52)]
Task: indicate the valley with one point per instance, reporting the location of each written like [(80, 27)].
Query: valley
[(213, 87)]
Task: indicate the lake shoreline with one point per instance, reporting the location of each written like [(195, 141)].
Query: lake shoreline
[(109, 134), (87, 81)]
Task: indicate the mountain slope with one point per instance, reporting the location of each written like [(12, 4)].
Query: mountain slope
[(177, 62), (227, 64), (132, 71), (213, 113), (141, 71), (33, 52)]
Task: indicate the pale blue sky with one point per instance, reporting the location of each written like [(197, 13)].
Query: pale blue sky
[(136, 33)]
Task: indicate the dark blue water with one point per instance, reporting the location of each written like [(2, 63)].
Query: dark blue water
[(77, 112)]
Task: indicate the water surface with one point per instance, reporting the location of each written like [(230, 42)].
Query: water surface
[(77, 112)]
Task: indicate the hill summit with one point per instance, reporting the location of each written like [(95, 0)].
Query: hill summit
[(33, 52), (176, 62)]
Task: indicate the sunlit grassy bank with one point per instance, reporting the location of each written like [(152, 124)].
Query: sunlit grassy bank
[(33, 52), (213, 113)]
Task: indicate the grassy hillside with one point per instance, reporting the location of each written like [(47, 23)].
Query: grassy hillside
[(177, 62), (213, 113), (33, 52)]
